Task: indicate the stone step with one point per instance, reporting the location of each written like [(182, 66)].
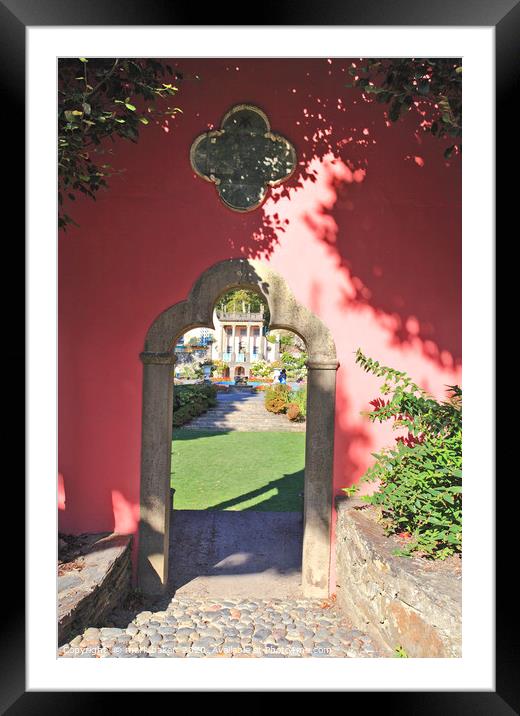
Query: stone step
[(251, 425), (246, 413), (238, 429), (283, 421), (250, 428), (245, 418), (242, 415)]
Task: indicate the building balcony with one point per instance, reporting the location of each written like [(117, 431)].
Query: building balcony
[(239, 316), (241, 357)]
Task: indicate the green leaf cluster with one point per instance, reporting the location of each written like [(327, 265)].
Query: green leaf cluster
[(295, 363), (261, 369), (420, 476), (190, 371), (189, 401), (299, 398), (242, 300), (276, 398), (101, 99), (434, 83), (279, 398)]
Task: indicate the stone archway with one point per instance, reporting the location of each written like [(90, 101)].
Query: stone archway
[(158, 358)]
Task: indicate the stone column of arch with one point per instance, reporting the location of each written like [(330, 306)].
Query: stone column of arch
[(154, 522), (319, 459)]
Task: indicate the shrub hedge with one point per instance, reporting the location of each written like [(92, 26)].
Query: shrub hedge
[(420, 476), (276, 398), (279, 398), (293, 411), (189, 401), (299, 397)]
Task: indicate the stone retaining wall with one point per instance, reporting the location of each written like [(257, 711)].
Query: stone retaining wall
[(87, 595), (400, 601)]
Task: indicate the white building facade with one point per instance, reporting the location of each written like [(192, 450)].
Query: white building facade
[(239, 340)]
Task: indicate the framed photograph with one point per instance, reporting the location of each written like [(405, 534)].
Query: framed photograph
[(256, 257)]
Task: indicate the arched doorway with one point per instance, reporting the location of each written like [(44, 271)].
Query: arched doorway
[(158, 358)]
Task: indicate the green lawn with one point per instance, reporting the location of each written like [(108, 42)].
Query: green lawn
[(238, 471)]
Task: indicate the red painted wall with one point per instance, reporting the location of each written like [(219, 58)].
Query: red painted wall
[(370, 241)]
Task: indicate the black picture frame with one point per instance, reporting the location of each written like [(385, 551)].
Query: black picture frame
[(504, 16)]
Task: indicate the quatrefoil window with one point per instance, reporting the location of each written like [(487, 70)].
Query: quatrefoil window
[(243, 158)]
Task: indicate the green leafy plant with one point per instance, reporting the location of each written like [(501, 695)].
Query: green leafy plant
[(190, 371), (277, 398), (287, 340), (420, 477), (218, 368), (400, 652), (431, 87), (100, 99), (299, 398), (189, 401), (262, 369), (276, 405), (243, 300), (295, 364)]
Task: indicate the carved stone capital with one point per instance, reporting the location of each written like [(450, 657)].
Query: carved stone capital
[(322, 365), (149, 357)]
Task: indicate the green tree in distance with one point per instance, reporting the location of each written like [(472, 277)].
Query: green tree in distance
[(242, 300)]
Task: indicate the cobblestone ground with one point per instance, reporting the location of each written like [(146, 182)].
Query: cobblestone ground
[(239, 628)]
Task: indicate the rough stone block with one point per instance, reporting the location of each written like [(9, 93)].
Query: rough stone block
[(87, 595), (400, 601)]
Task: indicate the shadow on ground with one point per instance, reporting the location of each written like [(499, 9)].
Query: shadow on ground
[(287, 487), (226, 553)]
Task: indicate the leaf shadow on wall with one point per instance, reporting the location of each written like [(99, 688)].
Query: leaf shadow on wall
[(380, 206), (393, 225)]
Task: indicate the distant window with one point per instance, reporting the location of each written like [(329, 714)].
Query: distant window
[(243, 331)]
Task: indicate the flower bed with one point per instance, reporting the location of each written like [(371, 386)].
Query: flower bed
[(279, 398)]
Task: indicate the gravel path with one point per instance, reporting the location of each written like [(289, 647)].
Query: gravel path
[(239, 628)]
